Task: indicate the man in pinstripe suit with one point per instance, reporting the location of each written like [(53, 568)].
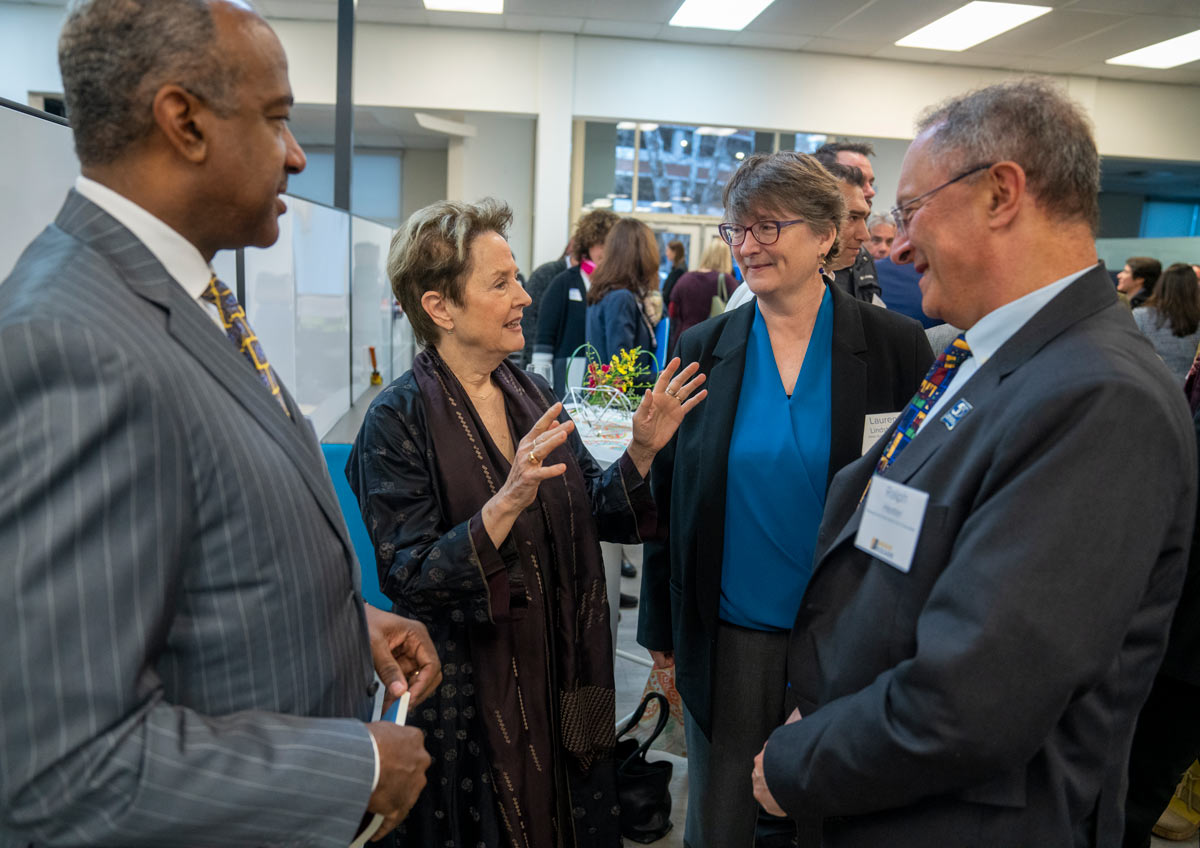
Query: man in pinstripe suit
[(188, 659)]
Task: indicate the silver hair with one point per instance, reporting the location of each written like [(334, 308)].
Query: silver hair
[(880, 218), (432, 252), (115, 55), (1033, 123)]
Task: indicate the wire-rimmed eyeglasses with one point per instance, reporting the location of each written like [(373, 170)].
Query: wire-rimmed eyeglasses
[(764, 232), (902, 213)]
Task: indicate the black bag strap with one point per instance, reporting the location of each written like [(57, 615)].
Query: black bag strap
[(664, 715)]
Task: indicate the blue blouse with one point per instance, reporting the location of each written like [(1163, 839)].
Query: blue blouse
[(775, 494)]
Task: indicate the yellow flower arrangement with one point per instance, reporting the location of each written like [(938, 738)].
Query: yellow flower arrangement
[(622, 374)]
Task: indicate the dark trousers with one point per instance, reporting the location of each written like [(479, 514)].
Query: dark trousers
[(1165, 743), (748, 703)]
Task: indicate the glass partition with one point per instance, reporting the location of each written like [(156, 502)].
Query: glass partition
[(372, 304)]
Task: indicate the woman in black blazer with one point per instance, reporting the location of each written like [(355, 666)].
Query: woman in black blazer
[(793, 379)]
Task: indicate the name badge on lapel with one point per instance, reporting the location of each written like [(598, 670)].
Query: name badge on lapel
[(891, 522), (956, 413), (575, 294), (875, 425)]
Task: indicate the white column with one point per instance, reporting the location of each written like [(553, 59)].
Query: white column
[(552, 149)]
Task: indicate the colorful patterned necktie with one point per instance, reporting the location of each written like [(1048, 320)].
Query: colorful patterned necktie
[(233, 317), (955, 354)]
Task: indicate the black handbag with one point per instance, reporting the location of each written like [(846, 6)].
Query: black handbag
[(644, 788)]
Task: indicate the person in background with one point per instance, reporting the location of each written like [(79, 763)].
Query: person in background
[(562, 315), (855, 154), (691, 300), (486, 512), (1136, 280), (883, 232), (857, 272), (616, 313), (854, 269), (539, 281), (678, 259), (799, 379), (1170, 318), (188, 659), (900, 288), (974, 644)]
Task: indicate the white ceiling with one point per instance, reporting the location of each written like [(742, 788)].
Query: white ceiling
[(1075, 38)]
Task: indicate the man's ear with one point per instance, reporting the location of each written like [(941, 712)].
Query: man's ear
[(1006, 181), (436, 307), (181, 117)]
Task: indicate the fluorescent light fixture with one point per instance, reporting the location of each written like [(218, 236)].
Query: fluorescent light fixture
[(1166, 54), (718, 14), (661, 204), (715, 130), (444, 125), (971, 24), (486, 7)]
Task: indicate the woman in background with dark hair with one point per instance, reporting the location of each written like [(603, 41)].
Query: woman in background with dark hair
[(678, 261), (616, 315), (1170, 318)]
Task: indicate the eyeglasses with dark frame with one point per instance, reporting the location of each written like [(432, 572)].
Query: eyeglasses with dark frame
[(902, 213), (764, 232)]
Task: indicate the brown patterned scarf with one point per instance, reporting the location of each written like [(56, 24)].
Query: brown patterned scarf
[(560, 533)]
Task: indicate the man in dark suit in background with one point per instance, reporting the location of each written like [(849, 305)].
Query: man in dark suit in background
[(188, 656), (983, 622)]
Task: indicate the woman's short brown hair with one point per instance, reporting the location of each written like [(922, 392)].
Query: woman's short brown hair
[(592, 229), (787, 183), (630, 261), (432, 252)]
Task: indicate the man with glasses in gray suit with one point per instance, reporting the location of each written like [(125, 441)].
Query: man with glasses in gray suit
[(994, 579), (188, 657)]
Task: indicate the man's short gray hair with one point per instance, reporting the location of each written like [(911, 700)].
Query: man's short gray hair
[(880, 218), (115, 55), (1030, 122)]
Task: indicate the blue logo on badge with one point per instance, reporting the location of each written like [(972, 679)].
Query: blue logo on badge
[(957, 413)]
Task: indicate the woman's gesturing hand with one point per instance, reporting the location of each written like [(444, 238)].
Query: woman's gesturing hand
[(662, 410), (528, 470)]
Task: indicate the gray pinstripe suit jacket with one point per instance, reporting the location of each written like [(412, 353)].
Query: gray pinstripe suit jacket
[(185, 651)]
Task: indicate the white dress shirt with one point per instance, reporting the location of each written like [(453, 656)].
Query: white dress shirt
[(991, 332)]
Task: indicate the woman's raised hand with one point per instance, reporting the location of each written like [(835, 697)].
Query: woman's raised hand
[(662, 410), (528, 468)]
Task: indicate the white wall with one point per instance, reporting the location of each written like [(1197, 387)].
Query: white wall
[(424, 179), (497, 162), (29, 50)]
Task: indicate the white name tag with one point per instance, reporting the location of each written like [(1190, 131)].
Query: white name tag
[(891, 522), (875, 425), (575, 294)]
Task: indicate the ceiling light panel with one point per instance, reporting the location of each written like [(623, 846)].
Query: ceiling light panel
[(718, 14), (1166, 54), (485, 7), (971, 24)]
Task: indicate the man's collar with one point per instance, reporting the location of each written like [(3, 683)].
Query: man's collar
[(178, 255)]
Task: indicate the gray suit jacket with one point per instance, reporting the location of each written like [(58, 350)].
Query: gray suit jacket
[(988, 696), (186, 651)]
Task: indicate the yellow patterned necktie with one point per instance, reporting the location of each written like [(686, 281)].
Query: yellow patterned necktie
[(233, 317)]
